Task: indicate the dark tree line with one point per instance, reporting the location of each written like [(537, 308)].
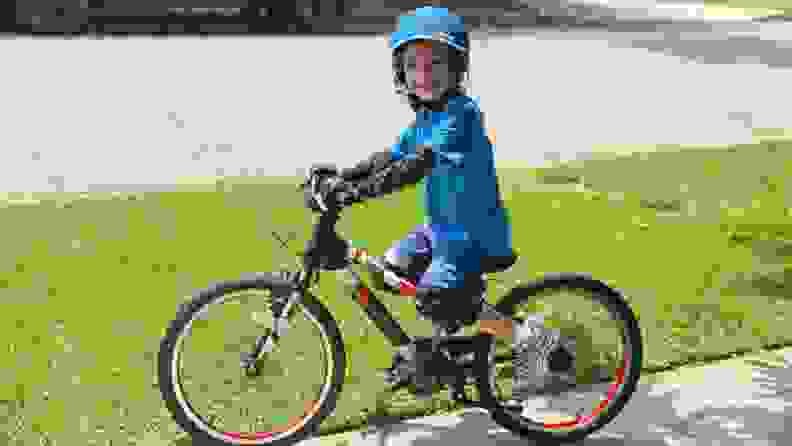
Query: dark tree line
[(79, 16)]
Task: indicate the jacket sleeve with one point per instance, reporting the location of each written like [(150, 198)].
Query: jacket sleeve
[(380, 160), (412, 159), (376, 162), (398, 174)]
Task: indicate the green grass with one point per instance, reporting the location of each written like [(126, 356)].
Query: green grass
[(753, 7), (705, 267)]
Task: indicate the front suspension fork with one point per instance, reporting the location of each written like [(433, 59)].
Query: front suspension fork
[(281, 313)]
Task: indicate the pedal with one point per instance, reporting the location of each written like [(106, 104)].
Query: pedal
[(389, 377), (393, 377), (456, 391)]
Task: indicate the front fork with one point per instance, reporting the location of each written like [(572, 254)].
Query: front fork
[(281, 312)]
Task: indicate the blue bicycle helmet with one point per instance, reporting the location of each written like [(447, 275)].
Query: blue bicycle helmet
[(428, 23)]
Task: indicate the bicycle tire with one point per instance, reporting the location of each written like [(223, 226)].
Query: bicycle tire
[(263, 281), (614, 300)]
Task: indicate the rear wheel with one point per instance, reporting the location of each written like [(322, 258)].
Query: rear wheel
[(217, 400), (569, 368)]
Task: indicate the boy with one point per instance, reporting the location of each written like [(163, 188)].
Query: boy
[(447, 144)]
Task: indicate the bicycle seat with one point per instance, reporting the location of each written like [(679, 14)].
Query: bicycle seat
[(496, 264)]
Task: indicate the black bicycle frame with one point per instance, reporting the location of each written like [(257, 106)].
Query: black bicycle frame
[(324, 234)]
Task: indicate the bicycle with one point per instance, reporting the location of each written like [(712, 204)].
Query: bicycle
[(467, 359)]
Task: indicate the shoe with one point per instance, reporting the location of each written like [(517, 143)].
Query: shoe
[(544, 361)]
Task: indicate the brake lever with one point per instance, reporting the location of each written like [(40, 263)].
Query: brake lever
[(302, 185)]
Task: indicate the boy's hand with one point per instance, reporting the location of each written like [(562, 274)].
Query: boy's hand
[(334, 192), (337, 192), (323, 170)]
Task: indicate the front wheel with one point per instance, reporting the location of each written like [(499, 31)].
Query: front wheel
[(567, 364), (210, 395)]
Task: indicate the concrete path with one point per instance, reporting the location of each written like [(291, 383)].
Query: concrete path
[(744, 401)]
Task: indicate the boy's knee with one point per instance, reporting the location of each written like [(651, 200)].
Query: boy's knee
[(412, 266), (394, 258)]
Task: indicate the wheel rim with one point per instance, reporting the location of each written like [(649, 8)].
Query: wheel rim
[(290, 427)]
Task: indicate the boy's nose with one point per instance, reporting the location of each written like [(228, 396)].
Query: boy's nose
[(424, 75)]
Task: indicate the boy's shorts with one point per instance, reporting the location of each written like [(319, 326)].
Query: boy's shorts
[(437, 256)]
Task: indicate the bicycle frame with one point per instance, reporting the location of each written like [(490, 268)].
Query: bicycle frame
[(372, 306)]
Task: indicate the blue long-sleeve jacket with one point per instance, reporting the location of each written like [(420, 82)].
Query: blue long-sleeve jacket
[(461, 192)]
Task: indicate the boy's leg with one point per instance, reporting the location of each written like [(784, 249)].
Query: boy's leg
[(409, 257), (451, 286), (439, 261), (446, 294)]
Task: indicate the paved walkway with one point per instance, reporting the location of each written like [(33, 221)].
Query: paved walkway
[(742, 402)]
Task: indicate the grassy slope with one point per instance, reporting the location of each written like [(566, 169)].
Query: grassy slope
[(83, 320)]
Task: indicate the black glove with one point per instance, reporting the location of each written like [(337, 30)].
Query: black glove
[(323, 169), (372, 178), (334, 192), (374, 163), (319, 172)]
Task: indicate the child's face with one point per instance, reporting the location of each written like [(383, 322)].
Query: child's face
[(426, 69)]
